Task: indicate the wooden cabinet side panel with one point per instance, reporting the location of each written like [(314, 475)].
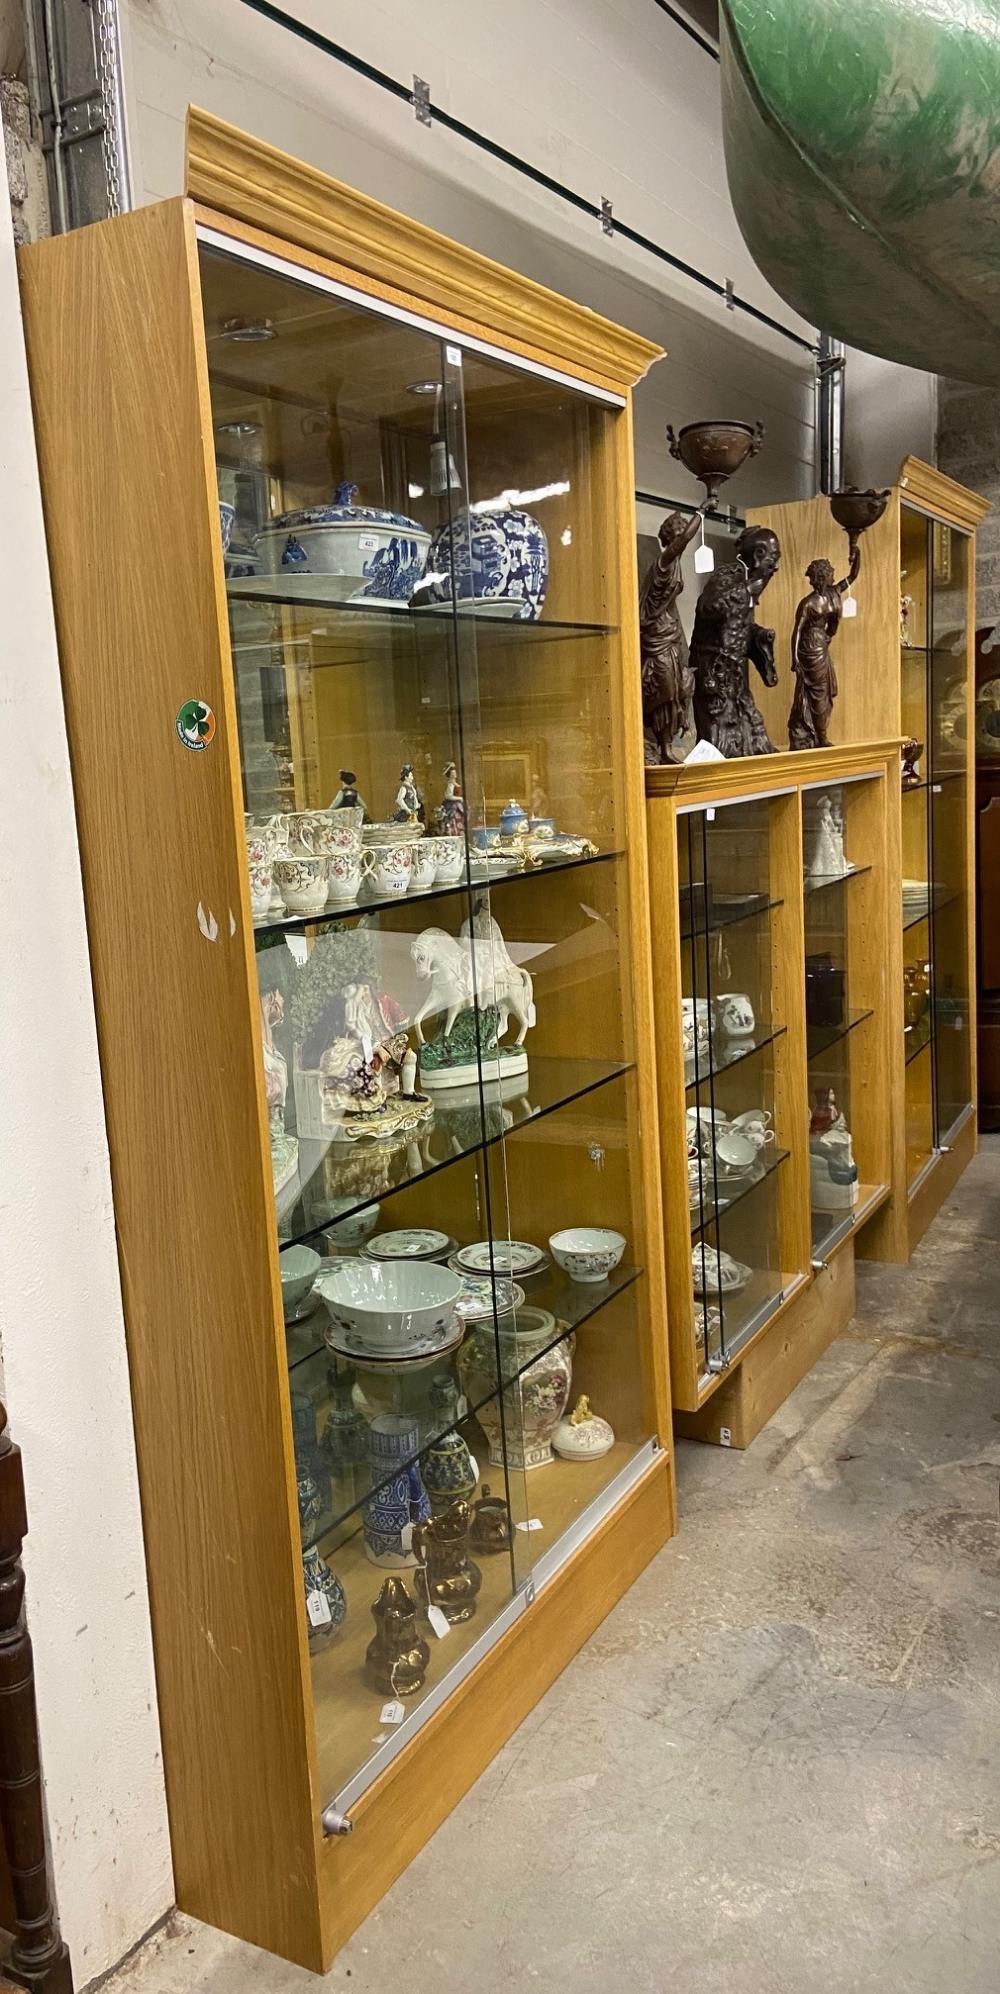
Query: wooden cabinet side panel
[(123, 426)]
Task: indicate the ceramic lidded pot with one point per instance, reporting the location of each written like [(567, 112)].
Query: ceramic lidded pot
[(326, 1605), (365, 551), (491, 557), (449, 1470), (540, 1373)]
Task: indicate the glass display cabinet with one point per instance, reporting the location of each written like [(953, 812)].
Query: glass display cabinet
[(771, 915), (905, 669), (345, 524)]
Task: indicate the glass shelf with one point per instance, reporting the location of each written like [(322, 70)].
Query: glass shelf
[(349, 629), (816, 882), (726, 918), (739, 1054), (819, 1038), (916, 1038), (550, 1084), (934, 782), (297, 924), (572, 1305), (932, 904), (706, 1214)]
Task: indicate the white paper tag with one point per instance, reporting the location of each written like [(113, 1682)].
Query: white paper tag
[(391, 1713), (461, 1406), (367, 1048), (850, 607), (725, 1436), (406, 1537), (439, 1621), (318, 1609), (704, 561), (533, 1523), (705, 751), (453, 355), (367, 543)]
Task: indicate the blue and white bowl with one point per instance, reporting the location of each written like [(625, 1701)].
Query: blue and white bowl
[(490, 557), (358, 552), (587, 1252)]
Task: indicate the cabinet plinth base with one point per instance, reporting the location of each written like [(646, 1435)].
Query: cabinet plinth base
[(778, 1361), (394, 1820), (940, 1182)]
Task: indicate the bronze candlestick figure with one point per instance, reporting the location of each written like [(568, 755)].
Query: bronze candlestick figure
[(726, 640), (667, 683), (817, 620)]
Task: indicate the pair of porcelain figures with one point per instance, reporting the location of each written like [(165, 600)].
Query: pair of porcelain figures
[(705, 691)]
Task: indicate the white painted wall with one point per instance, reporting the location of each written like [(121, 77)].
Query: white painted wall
[(891, 413), (609, 97), (65, 1379)]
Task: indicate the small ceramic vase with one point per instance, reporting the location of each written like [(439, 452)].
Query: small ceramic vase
[(397, 1657), (326, 1605), (491, 1527), (398, 1501), (447, 1576), (583, 1436), (310, 1498), (449, 1471)]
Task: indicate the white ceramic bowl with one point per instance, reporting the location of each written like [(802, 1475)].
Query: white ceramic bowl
[(299, 1267), (587, 1252), (350, 1231), (391, 1305)]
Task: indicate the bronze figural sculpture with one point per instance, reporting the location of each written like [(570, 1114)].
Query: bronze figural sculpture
[(726, 640), (667, 683), (817, 620)]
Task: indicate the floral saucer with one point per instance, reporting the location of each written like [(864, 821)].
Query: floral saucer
[(409, 1243), (418, 1356), (500, 1256)]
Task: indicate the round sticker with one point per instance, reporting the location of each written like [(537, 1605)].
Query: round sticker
[(195, 724)]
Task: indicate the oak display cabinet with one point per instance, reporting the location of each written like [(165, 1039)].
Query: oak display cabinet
[(773, 985), (250, 348), (905, 667)]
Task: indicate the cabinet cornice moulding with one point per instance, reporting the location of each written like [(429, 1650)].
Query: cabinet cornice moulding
[(257, 184), (925, 486), (752, 774)]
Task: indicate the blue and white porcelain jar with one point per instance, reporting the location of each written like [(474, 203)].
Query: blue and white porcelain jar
[(398, 1499), (359, 552), (491, 557), (326, 1603)]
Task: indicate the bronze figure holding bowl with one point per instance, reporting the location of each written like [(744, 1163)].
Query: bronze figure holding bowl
[(817, 621)]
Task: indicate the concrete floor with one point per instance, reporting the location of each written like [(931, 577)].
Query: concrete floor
[(776, 1767)]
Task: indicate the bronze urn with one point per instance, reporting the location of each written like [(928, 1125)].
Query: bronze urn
[(856, 511), (712, 451)]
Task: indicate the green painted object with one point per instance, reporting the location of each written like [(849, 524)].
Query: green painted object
[(863, 153)]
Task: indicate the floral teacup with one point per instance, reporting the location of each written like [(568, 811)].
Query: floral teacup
[(345, 872), (424, 867), (301, 879), (388, 870), (449, 859), (261, 874), (734, 1013)]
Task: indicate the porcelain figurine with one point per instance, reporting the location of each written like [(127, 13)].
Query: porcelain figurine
[(396, 1658), (398, 1501), (450, 815), (727, 639), (349, 797), (826, 858), (583, 1436), (449, 1470), (905, 612), (491, 1526), (470, 975), (360, 1071), (667, 683), (326, 1604), (446, 1575), (491, 558), (541, 1371), (409, 805)]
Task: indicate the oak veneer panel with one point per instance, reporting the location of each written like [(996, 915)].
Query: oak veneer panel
[(120, 399)]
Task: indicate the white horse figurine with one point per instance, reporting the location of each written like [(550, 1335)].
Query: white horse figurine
[(446, 964)]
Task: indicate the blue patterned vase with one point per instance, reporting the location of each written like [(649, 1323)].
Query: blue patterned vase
[(320, 1583), (449, 1471), (491, 557), (398, 1499)]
